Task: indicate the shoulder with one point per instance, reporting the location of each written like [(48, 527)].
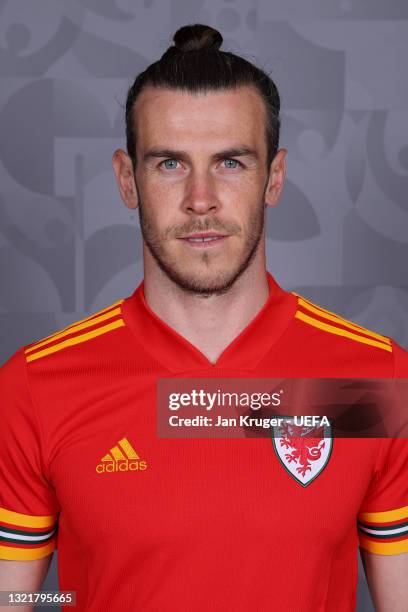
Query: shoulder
[(328, 322), (401, 360), (328, 332), (12, 370), (80, 333)]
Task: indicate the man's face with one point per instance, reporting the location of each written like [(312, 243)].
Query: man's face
[(200, 177)]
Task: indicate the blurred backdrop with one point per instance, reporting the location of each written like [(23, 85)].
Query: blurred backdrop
[(69, 247)]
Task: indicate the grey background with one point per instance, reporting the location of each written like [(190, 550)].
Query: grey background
[(68, 247)]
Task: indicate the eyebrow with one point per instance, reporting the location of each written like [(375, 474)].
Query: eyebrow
[(176, 154)]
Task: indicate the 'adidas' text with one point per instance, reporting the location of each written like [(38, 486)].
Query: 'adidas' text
[(121, 466)]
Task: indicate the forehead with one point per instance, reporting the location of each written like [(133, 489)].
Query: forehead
[(168, 116)]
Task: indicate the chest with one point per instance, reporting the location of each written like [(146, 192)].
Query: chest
[(114, 477)]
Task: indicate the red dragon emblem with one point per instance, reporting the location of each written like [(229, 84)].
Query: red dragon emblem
[(308, 449), (305, 449)]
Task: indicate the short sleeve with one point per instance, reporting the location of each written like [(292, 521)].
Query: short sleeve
[(28, 505), (383, 516)]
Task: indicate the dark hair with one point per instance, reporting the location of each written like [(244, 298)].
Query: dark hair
[(195, 63)]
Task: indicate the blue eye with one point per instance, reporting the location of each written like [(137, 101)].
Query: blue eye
[(234, 164), (170, 164)]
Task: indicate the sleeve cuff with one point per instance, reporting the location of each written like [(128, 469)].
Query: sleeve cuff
[(384, 533), (26, 537)]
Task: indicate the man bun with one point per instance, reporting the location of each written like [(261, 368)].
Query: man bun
[(197, 37)]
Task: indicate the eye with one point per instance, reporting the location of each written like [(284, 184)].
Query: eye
[(231, 163), (169, 164)]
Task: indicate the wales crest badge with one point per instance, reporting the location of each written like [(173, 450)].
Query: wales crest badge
[(304, 451)]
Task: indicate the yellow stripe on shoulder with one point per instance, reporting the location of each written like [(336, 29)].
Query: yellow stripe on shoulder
[(74, 328), (332, 316), (75, 325), (76, 340), (341, 332)]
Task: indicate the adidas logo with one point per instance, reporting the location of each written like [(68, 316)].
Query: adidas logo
[(121, 458)]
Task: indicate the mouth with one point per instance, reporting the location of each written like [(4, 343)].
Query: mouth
[(204, 239)]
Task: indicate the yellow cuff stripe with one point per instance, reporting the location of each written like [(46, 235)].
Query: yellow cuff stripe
[(384, 517), (384, 548), (26, 520), (24, 554)]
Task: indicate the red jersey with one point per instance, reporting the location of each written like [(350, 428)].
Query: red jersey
[(148, 523)]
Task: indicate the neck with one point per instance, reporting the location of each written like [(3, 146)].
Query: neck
[(211, 323)]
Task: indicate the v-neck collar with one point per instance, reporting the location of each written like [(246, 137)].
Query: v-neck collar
[(177, 354)]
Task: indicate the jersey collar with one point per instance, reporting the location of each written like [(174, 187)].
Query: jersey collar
[(177, 354)]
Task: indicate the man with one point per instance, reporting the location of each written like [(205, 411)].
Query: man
[(149, 523)]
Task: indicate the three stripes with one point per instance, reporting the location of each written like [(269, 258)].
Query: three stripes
[(122, 450), (330, 322), (97, 324)]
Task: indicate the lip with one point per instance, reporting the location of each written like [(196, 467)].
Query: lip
[(204, 235), (192, 240)]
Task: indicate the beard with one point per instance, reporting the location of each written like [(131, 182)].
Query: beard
[(218, 282)]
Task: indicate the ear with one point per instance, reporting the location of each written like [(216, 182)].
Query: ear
[(123, 169), (277, 173)]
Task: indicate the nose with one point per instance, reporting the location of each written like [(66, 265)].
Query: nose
[(200, 196)]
